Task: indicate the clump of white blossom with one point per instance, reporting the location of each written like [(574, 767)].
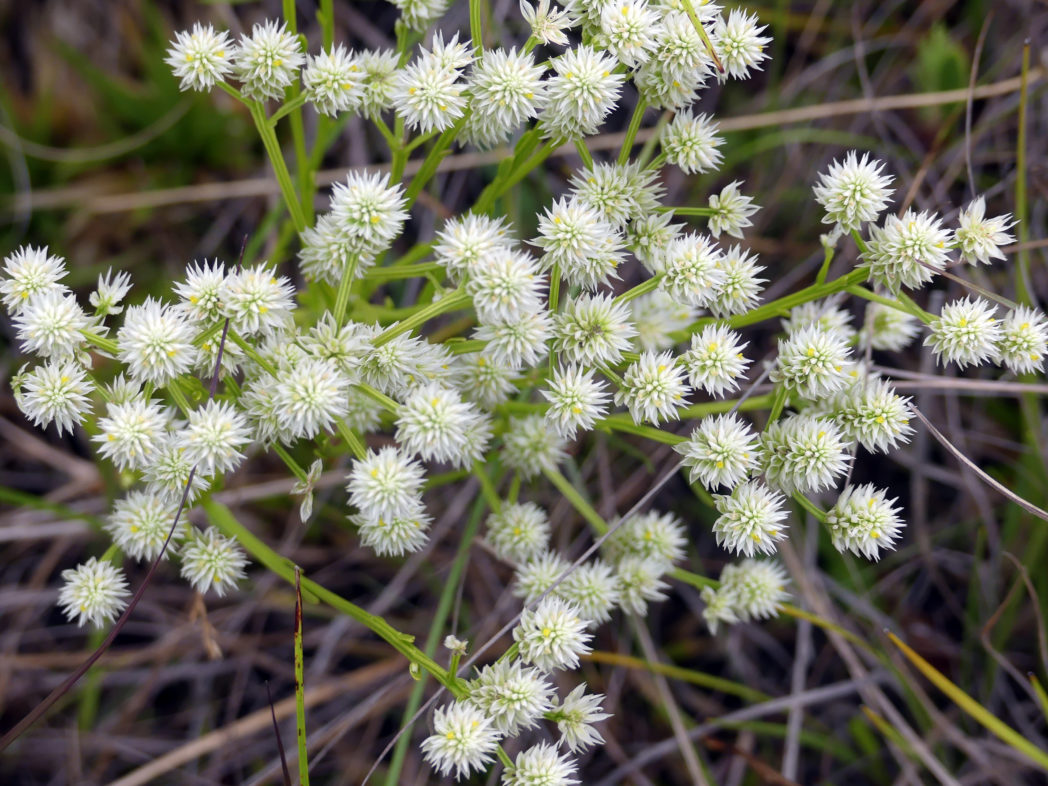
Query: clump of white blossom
[(620, 316)]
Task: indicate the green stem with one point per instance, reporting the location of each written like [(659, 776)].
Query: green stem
[(353, 442), (450, 302), (641, 289), (300, 690), (584, 153), (107, 345), (345, 288), (432, 161), (286, 457), (379, 398), (811, 507), (570, 493), (252, 353), (276, 159), (487, 488), (444, 605), (631, 132), (223, 518), (677, 210), (825, 269), (327, 22), (397, 271), (910, 308), (689, 9), (476, 32), (295, 103)]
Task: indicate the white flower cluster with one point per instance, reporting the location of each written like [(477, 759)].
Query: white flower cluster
[(550, 350)]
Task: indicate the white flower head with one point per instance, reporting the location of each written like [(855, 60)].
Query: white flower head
[(739, 43), (110, 292), (311, 398), (386, 484), (640, 583), (575, 716), (519, 531), (593, 330), (657, 537), (517, 343), (907, 251), (751, 519), (610, 187), (759, 586), (156, 342), (812, 362), (27, 272), (853, 192), (49, 324), (630, 30), (506, 90), (530, 446), (888, 328), (200, 57), (213, 437), (1024, 340), (466, 240), (511, 695), (210, 560), (534, 577), (804, 453), (691, 143), (715, 361), (648, 236), (594, 589), (419, 14), (966, 332), (722, 451), (257, 301), (463, 739), (552, 636), (504, 286), (547, 22), (436, 423), (653, 388), (822, 315), (541, 765), (394, 535), (93, 592), (268, 60), (731, 211), (55, 392), (483, 380), (864, 521), (739, 290), (381, 68), (692, 269), (131, 432), (577, 399), (201, 293), (428, 94), (140, 523), (656, 316), (168, 470), (368, 208), (981, 238), (873, 414), (581, 94), (333, 81), (577, 240)]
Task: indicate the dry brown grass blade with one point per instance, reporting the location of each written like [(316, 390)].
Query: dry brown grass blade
[(1029, 507), (258, 721)]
